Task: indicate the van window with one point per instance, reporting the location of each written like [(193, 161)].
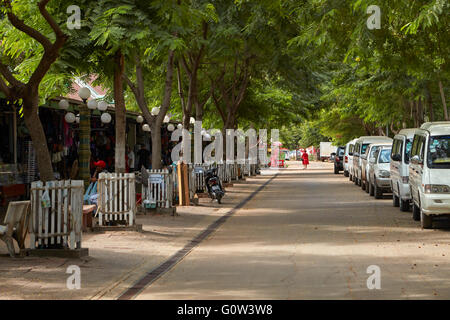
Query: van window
[(414, 146), (408, 147), (397, 147), (364, 147), (373, 151), (421, 147), (385, 156), (350, 149), (439, 152)]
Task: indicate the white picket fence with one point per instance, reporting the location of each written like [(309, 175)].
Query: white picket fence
[(116, 198), (199, 177), (161, 185), (59, 221)]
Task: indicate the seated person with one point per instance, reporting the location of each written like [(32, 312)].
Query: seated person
[(91, 194)]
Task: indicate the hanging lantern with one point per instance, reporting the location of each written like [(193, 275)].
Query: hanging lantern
[(64, 104), (170, 127), (207, 136), (180, 126), (106, 118), (166, 119), (139, 119), (70, 117), (146, 128), (92, 104), (203, 132), (77, 119), (192, 120), (102, 106), (155, 111)]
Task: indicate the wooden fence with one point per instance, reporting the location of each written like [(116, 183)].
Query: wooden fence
[(116, 198), (56, 214)]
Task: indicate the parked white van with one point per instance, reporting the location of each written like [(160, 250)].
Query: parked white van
[(401, 148), (360, 148), (371, 152), (348, 159), (429, 172), (379, 177)]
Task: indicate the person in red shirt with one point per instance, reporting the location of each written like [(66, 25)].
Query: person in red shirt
[(305, 159)]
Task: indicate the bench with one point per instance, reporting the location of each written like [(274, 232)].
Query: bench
[(15, 225)]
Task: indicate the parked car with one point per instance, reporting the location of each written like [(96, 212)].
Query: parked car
[(401, 147), (360, 148), (379, 174), (366, 164), (348, 159), (429, 172), (339, 160)]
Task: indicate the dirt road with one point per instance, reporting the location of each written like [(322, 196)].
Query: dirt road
[(312, 235)]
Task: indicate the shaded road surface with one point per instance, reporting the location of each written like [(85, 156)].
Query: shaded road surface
[(311, 235)]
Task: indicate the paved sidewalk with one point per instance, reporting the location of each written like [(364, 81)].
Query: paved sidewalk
[(116, 259)]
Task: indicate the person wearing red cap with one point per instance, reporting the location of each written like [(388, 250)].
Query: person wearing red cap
[(99, 167)]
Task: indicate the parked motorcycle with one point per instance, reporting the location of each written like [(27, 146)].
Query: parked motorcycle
[(214, 185)]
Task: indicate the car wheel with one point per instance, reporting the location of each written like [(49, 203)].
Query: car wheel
[(425, 220), (346, 174), (416, 212), (371, 190), (359, 182), (355, 180), (395, 200), (336, 170), (404, 205), (367, 186), (378, 192), (363, 185), (350, 177)]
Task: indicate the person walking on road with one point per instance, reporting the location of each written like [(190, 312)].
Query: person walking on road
[(305, 160)]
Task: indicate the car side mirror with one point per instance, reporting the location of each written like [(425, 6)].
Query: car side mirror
[(416, 160)]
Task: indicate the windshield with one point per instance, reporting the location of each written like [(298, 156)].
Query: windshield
[(439, 152), (409, 143), (385, 156)]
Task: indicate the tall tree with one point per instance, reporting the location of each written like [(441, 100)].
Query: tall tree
[(26, 90)]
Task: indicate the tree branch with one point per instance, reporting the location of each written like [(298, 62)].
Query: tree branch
[(4, 88), (56, 28), (4, 71), (20, 25)]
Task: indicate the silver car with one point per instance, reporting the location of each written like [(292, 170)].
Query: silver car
[(379, 178)]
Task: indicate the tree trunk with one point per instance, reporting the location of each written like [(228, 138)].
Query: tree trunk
[(156, 126), (156, 147), (38, 138), (120, 110), (444, 103)]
